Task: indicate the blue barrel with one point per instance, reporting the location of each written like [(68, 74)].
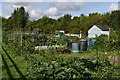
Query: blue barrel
[(83, 45), (59, 36), (75, 48)]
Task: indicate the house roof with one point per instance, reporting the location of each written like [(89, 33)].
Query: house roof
[(103, 27)]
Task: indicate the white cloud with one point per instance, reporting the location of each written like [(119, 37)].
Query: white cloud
[(113, 7), (28, 5), (0, 9), (85, 0), (24, 0), (0, 14), (69, 0), (60, 0), (69, 5), (35, 14), (7, 10), (55, 9), (59, 8), (52, 11), (38, 13)]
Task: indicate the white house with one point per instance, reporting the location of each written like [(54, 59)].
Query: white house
[(97, 30)]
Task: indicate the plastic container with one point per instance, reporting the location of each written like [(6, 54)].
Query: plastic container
[(59, 36), (83, 45), (75, 48), (91, 42)]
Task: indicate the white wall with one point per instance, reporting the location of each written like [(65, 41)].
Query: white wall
[(105, 32), (96, 31)]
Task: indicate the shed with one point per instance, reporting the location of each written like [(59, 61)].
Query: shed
[(97, 30)]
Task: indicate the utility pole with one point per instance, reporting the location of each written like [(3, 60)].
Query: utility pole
[(109, 34), (80, 34), (21, 37)]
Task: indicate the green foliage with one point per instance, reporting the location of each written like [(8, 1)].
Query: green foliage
[(48, 64), (115, 22), (19, 17), (14, 40), (59, 68), (46, 25), (63, 50), (70, 38), (103, 43), (69, 25)]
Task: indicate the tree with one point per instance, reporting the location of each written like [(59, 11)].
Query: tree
[(19, 18), (24, 17), (45, 25), (63, 22), (115, 22)]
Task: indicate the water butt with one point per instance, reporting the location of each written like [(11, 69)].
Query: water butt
[(90, 42), (75, 48), (83, 45)]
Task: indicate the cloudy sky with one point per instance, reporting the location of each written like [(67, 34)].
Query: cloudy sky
[(57, 8)]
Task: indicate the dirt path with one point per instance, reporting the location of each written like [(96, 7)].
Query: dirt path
[(115, 59)]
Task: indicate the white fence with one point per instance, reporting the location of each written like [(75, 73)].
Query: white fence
[(77, 35)]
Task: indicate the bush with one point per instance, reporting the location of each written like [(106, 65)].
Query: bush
[(63, 50), (102, 43)]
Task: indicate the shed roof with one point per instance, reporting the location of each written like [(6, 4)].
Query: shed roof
[(103, 27)]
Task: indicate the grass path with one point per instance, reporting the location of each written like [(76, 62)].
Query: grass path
[(9, 67)]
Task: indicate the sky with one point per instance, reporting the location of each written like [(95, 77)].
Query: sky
[(57, 8)]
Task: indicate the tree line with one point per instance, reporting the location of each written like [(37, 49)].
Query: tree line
[(19, 20)]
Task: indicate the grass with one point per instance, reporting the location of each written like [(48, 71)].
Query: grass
[(8, 69), (14, 67), (90, 54)]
